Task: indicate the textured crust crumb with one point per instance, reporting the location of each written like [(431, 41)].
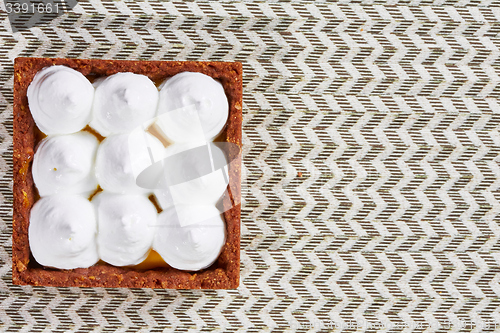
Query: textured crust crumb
[(223, 274)]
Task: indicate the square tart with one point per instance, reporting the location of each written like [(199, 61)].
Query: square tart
[(223, 274)]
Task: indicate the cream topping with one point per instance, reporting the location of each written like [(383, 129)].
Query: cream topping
[(122, 101), (60, 100), (121, 225), (65, 164), (126, 225), (194, 106), (62, 232), (120, 159), (190, 237), (190, 175)]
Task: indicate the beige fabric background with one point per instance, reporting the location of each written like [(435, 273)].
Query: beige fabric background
[(371, 164)]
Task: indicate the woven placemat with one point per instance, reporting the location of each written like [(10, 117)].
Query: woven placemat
[(371, 164)]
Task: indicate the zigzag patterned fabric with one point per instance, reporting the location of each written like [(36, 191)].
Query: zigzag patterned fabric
[(371, 164)]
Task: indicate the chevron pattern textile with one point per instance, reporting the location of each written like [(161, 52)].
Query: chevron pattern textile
[(371, 164)]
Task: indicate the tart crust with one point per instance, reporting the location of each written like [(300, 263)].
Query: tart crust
[(223, 274)]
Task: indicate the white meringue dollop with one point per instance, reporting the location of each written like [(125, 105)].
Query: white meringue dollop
[(190, 237), (189, 176), (122, 102), (120, 159), (62, 232), (126, 225), (60, 100), (65, 164), (192, 106)]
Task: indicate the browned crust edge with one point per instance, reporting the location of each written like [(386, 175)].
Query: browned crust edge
[(223, 274)]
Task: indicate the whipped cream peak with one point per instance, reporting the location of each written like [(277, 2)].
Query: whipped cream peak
[(62, 232), (126, 226), (188, 245), (65, 164), (60, 100), (70, 101), (130, 98), (122, 101), (192, 105)]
